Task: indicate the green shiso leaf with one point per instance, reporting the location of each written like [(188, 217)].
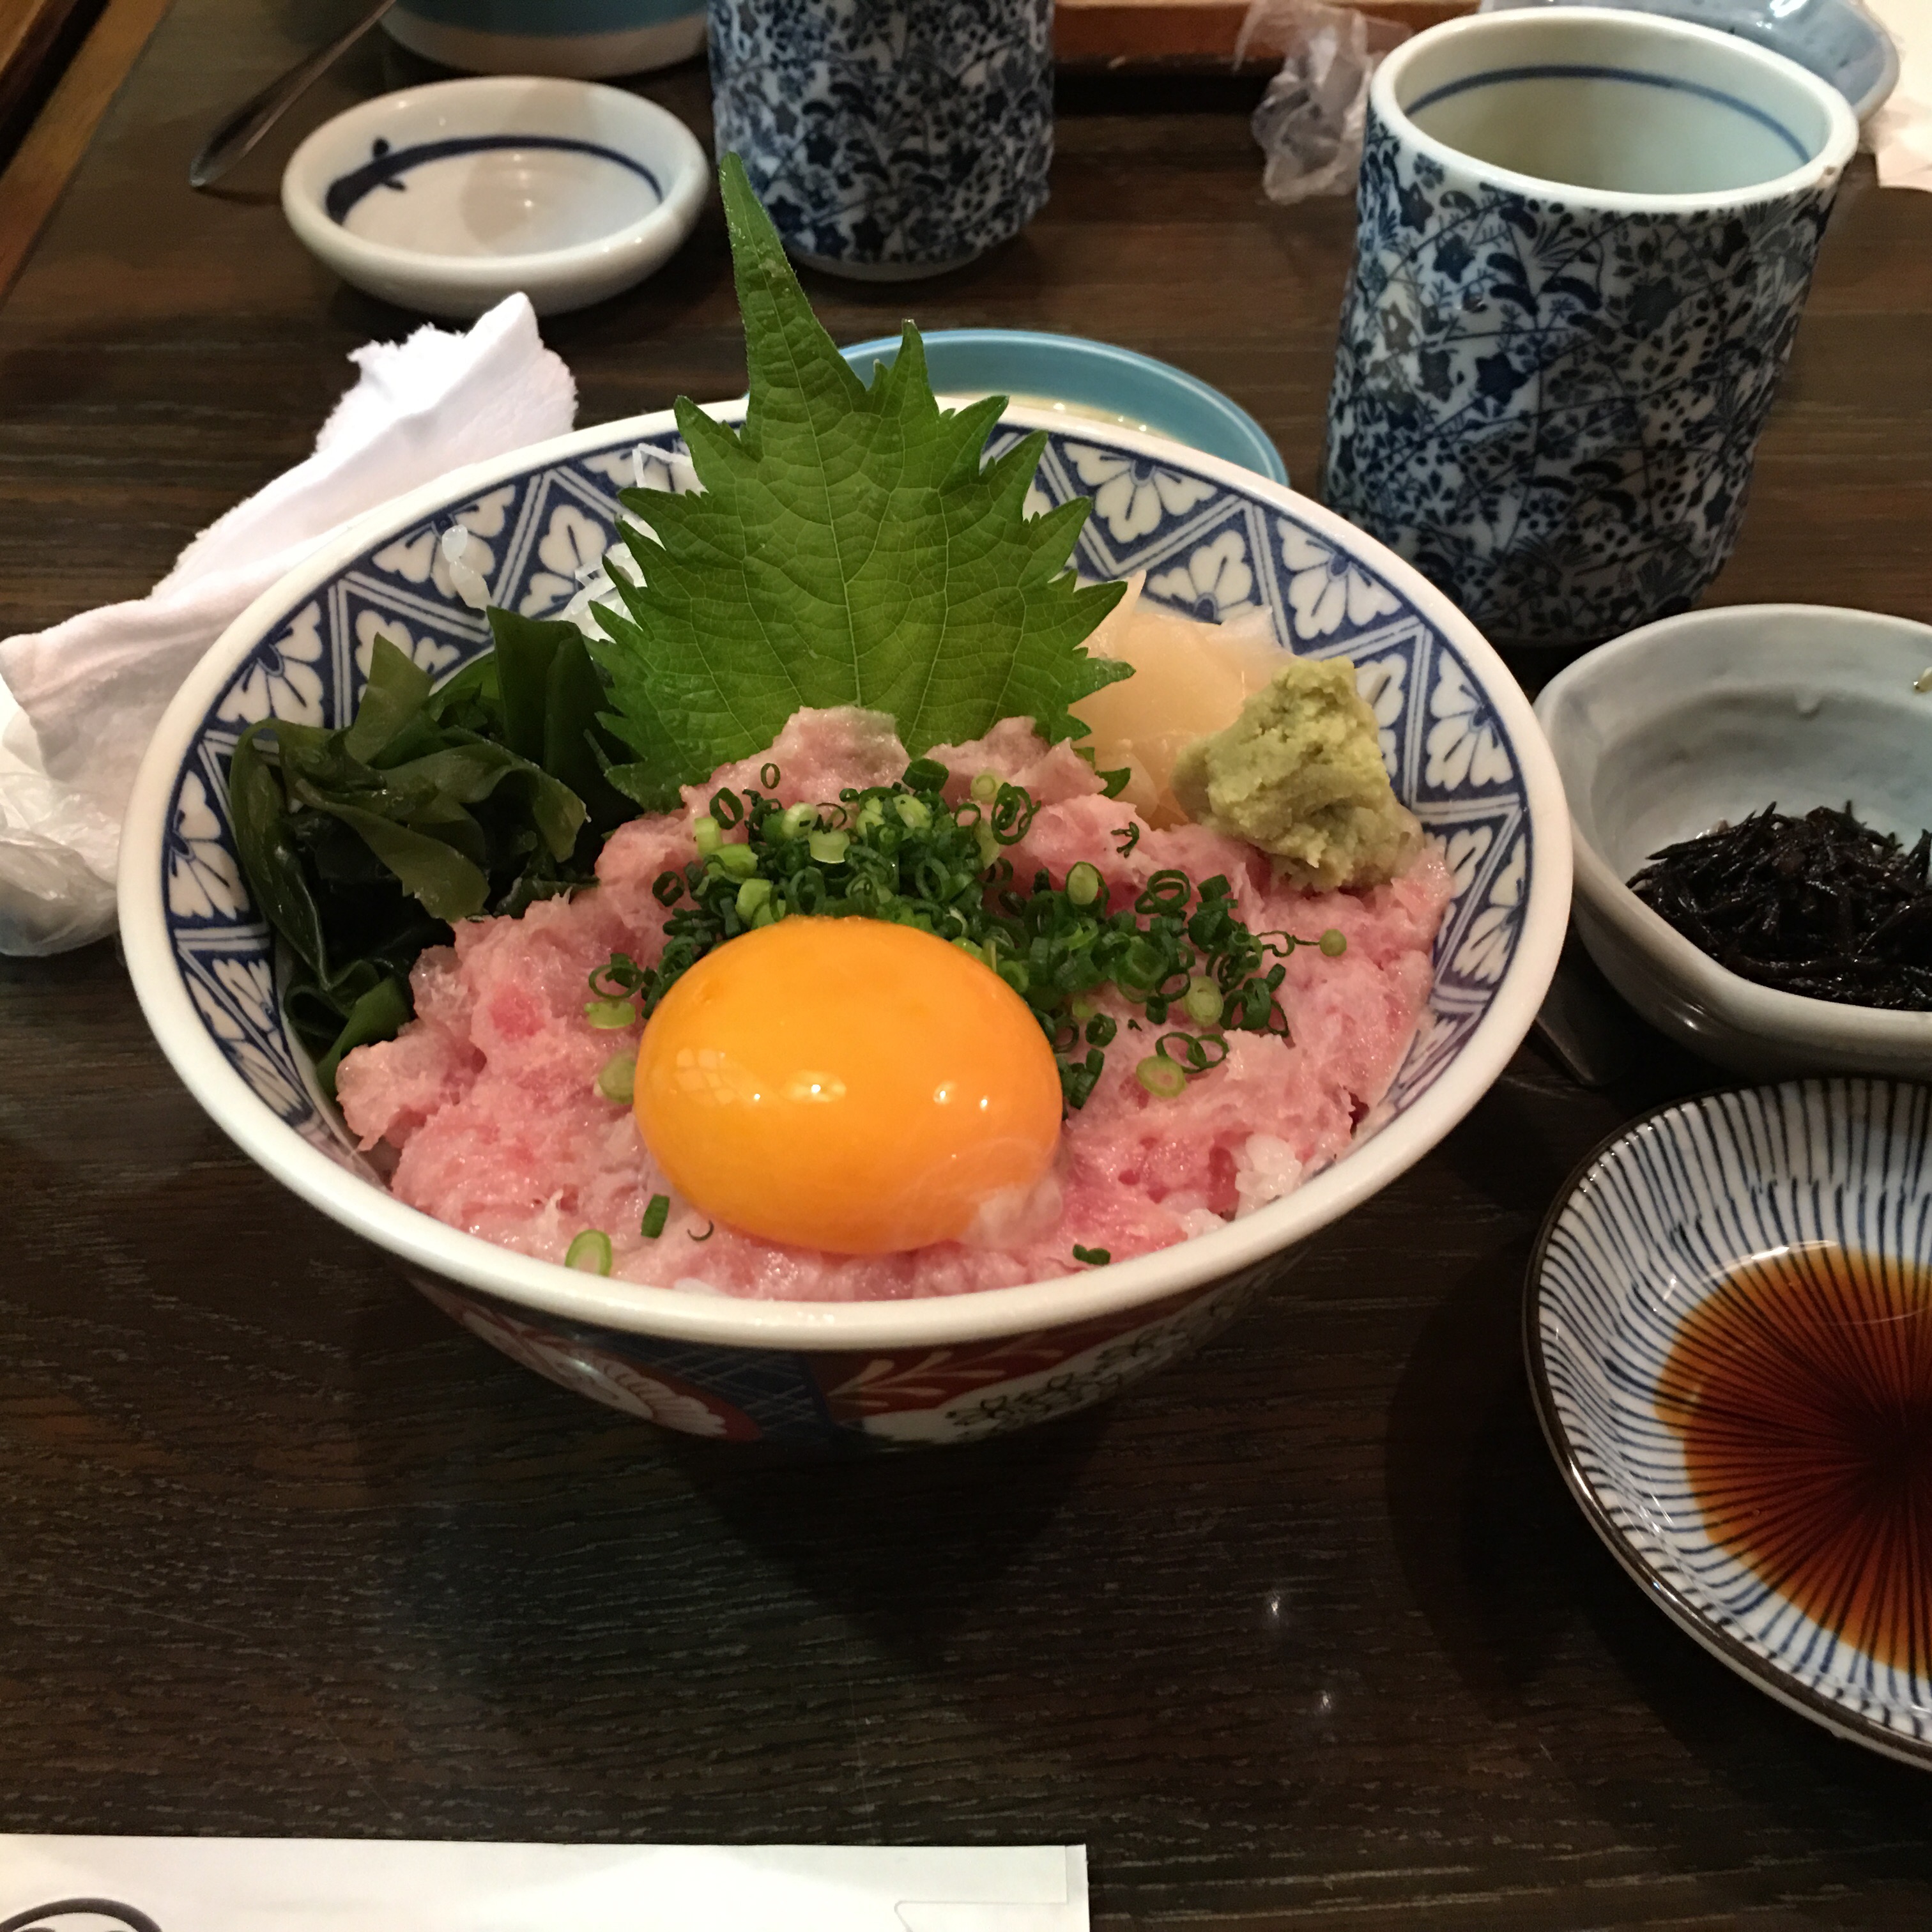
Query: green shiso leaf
[(848, 548)]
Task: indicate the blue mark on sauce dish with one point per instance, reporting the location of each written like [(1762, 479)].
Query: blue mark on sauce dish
[(1498, 75), (386, 165)]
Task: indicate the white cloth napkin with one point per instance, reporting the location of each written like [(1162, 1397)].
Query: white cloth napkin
[(86, 695), (1900, 132)]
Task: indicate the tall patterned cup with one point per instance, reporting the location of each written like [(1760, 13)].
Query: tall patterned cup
[(888, 139), (1584, 240)]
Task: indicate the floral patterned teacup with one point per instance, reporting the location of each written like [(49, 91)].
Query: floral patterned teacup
[(1585, 238), (888, 139)]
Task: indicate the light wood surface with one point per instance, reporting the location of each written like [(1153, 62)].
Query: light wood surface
[(44, 163), (29, 30)]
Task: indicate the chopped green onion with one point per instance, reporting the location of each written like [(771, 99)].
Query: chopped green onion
[(1092, 1257), (1180, 954), (1203, 1000), (655, 1216), (607, 1015), (617, 1080), (1334, 942), (1163, 1078), (710, 1229), (590, 1252)]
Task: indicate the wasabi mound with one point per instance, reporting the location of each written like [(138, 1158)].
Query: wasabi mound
[(1299, 775)]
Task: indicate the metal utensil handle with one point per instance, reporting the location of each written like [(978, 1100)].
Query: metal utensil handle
[(255, 117)]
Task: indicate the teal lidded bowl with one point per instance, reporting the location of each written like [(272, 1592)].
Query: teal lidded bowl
[(1039, 370), (579, 39)]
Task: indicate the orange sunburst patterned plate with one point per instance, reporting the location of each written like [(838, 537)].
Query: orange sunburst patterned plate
[(1729, 1329)]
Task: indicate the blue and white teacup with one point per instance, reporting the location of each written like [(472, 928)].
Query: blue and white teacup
[(888, 139), (1584, 240)]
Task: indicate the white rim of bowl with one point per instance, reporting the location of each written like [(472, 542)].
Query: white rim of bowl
[(415, 1238), (1793, 1019), (686, 184), (1840, 142)]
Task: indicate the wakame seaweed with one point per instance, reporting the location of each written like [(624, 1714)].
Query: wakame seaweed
[(362, 844), (1820, 905)]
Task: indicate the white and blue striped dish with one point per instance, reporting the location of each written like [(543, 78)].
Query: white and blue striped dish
[(1655, 1224)]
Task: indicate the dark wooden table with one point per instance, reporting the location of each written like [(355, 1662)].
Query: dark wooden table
[(1303, 1632)]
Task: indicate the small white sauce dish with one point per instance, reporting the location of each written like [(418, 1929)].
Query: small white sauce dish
[(447, 198), (1699, 720)]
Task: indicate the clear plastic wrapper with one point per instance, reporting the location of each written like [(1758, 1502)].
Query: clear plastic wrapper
[(1309, 122)]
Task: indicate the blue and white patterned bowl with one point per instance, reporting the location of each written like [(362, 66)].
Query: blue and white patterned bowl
[(1466, 754), (1645, 1245)]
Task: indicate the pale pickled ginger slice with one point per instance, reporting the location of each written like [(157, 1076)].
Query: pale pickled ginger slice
[(1190, 679)]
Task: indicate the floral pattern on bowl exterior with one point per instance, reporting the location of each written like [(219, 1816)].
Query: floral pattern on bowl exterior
[(536, 543), (904, 136), (1553, 416)]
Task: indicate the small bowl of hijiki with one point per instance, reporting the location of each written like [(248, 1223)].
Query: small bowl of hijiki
[(882, 924), (1751, 790)]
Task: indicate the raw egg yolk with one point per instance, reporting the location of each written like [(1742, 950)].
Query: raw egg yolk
[(846, 1083)]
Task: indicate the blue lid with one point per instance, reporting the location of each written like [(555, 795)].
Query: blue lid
[(1030, 366)]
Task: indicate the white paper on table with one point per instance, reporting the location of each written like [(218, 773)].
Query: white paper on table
[(328, 1885), (1900, 132)]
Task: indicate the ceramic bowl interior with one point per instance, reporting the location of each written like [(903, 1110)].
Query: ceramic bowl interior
[(1457, 734), (1077, 376), (1837, 40), (1778, 1528), (1617, 102), (451, 196), (1700, 720)]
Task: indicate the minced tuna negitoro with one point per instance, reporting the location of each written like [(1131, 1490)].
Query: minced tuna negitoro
[(491, 1093), (822, 918)]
